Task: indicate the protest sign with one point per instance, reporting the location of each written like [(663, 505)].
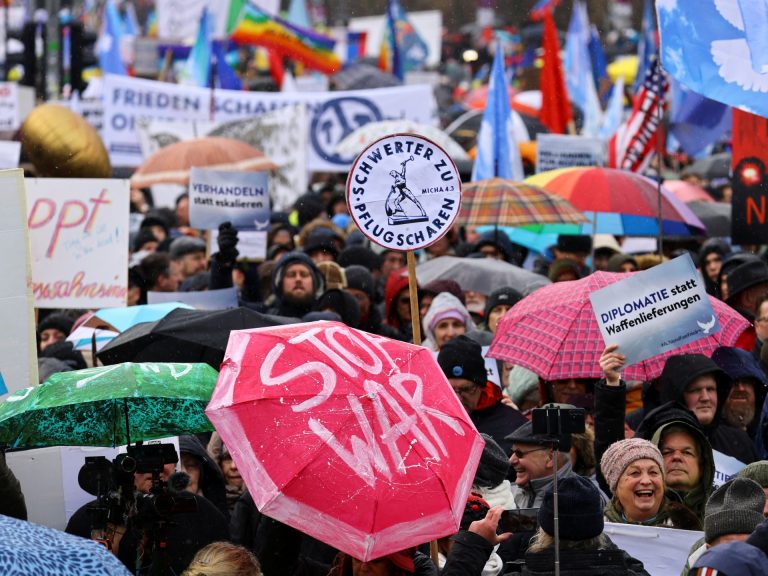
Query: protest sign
[(663, 551), (750, 178), (332, 115), (555, 151), (9, 106), (79, 237), (655, 311), (9, 154), (205, 300), (280, 135), (18, 360), (404, 192), (726, 467), (179, 19), (216, 196)]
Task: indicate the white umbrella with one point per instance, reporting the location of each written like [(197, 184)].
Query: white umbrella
[(369, 133)]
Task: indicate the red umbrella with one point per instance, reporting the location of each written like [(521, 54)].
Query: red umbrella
[(553, 332), (355, 439)]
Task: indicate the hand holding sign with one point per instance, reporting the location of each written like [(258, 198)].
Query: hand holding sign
[(611, 363)]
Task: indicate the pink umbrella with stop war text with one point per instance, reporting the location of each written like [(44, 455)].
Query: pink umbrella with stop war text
[(352, 438)]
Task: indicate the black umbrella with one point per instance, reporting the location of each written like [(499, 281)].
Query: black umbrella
[(711, 167), (185, 336), (716, 216)]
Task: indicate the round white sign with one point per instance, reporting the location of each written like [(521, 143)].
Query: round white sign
[(404, 192)]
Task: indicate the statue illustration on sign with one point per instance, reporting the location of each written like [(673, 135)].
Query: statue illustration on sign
[(399, 192)]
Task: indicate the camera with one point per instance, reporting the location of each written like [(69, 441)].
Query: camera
[(519, 520)]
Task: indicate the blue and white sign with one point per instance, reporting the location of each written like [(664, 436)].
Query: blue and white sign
[(718, 48), (655, 311), (216, 196), (332, 115)]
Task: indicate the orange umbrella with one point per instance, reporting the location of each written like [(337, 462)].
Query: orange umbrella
[(171, 164)]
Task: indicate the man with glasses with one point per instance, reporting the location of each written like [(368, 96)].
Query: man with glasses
[(462, 362), (533, 460)]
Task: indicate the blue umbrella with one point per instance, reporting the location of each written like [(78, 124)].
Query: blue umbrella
[(123, 318), (27, 548)]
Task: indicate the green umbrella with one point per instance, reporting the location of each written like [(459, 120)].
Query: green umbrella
[(109, 406)]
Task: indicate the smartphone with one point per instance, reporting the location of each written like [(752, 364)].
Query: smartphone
[(519, 520)]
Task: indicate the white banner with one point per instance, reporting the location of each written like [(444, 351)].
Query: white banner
[(9, 106), (332, 115), (663, 551), (217, 196), (179, 19), (18, 360), (560, 151), (204, 300), (79, 237), (726, 467), (280, 135), (10, 153)]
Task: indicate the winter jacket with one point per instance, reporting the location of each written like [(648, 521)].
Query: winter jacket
[(211, 484), (11, 498), (673, 413), (496, 419), (186, 533), (611, 561), (469, 555), (609, 428), (444, 302), (683, 369)]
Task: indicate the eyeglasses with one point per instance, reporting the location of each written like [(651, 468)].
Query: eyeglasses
[(465, 390), (519, 454)]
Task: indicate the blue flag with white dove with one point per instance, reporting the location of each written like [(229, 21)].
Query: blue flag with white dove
[(718, 48), (578, 62), (108, 44), (497, 151), (197, 70)]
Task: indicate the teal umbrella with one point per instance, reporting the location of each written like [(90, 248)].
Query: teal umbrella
[(109, 406), (123, 318)]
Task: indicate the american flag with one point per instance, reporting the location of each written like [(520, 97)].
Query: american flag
[(634, 143)]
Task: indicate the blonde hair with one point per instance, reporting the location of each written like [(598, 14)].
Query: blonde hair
[(223, 559), (542, 541)]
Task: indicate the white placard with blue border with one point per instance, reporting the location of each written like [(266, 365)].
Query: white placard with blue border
[(655, 311), (217, 196)]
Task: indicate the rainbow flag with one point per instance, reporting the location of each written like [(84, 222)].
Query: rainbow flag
[(307, 46)]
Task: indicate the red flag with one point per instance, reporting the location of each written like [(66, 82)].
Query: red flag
[(634, 143), (555, 105)]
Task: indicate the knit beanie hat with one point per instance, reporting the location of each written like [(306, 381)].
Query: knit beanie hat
[(757, 471), (622, 453), (734, 508), (453, 313), (462, 357), (580, 509), (359, 278), (184, 245), (494, 465), (475, 509), (359, 256), (333, 274), (58, 320), (502, 296)]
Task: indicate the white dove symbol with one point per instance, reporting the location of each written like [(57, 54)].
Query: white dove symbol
[(729, 55), (707, 326)]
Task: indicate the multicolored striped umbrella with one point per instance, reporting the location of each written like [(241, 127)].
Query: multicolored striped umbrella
[(500, 202), (618, 202)]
